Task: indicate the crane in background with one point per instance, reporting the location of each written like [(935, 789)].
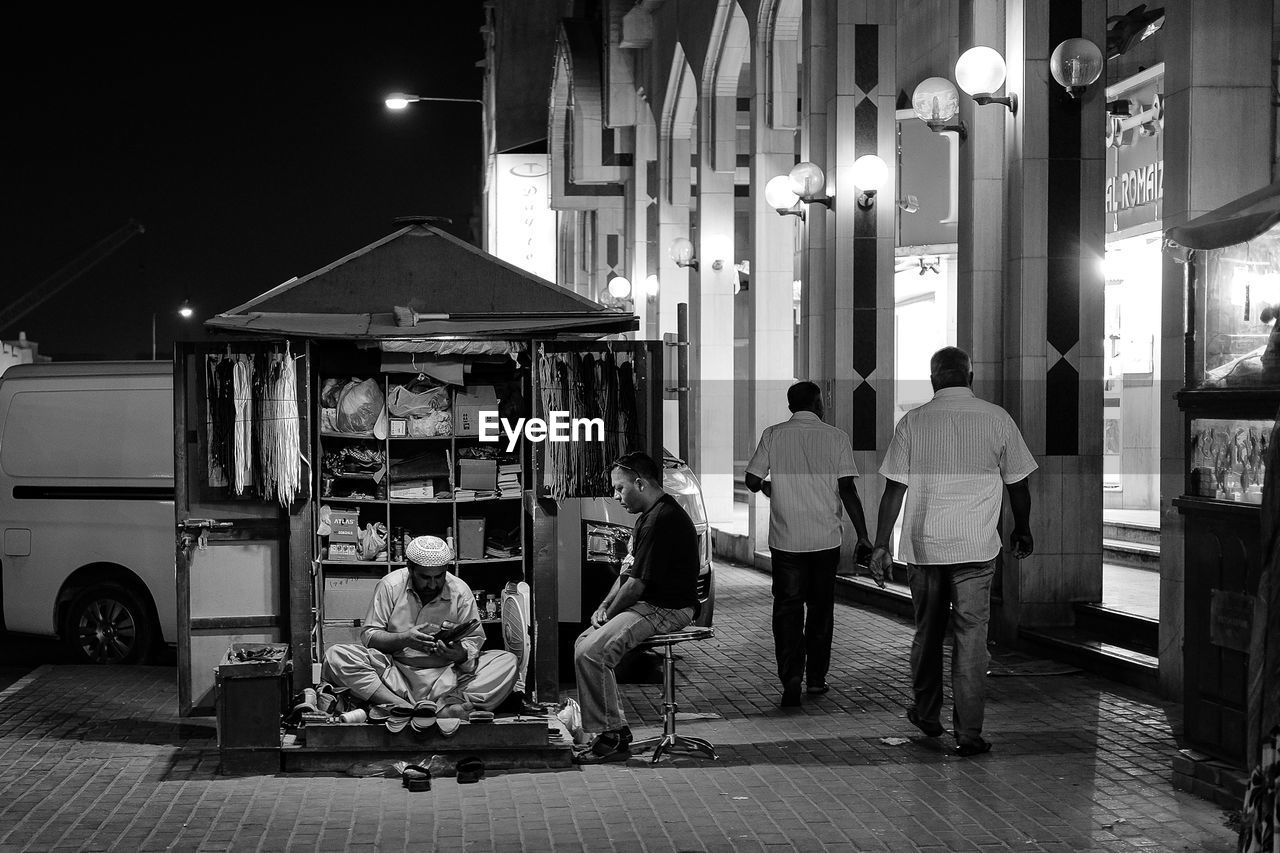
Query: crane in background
[(85, 261)]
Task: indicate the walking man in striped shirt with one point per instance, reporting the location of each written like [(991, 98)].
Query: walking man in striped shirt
[(949, 458), (811, 471)]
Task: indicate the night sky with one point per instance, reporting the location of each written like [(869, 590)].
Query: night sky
[(253, 148)]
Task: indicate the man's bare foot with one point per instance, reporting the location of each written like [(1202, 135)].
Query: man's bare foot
[(457, 711)]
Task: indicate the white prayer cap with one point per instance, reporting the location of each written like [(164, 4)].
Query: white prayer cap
[(429, 551)]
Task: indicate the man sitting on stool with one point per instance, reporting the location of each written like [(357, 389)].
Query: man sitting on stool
[(656, 594), (400, 663)]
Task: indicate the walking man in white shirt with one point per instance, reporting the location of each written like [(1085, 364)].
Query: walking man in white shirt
[(811, 471), (950, 458)]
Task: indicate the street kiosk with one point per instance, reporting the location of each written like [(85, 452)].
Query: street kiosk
[(340, 413)]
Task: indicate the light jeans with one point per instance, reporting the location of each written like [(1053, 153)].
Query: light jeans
[(961, 593), (598, 650), (364, 670)]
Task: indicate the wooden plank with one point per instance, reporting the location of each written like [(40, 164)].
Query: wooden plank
[(232, 623), (299, 583), (544, 570), (362, 736)]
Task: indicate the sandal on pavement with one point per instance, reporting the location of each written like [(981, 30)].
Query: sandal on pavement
[(930, 729), (416, 778), (470, 769), (967, 748)]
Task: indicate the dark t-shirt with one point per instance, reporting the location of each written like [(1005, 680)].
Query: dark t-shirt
[(666, 555)]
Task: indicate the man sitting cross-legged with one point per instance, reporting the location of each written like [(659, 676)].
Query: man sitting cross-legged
[(399, 662)]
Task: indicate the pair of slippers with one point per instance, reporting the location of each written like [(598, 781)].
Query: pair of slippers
[(417, 778), (421, 717)]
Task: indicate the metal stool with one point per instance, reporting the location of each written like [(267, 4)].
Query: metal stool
[(669, 741)]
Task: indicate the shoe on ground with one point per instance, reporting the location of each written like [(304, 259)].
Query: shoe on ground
[(817, 689), (930, 729), (607, 746), (790, 696), (967, 748)]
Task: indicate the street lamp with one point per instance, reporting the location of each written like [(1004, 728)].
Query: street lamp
[(185, 311), (401, 100), (398, 101)]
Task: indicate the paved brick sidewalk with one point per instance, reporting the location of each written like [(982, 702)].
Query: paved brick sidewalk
[(94, 759)]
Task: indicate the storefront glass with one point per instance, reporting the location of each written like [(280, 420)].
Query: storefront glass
[(1238, 313)]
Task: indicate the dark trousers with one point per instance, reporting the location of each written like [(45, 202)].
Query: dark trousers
[(959, 594), (804, 580)]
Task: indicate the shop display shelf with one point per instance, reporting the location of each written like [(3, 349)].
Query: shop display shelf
[(368, 476), (406, 501), (480, 561), (335, 499), (358, 563), (420, 438), (324, 433), (477, 500)]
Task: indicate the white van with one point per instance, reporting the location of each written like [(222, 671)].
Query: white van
[(86, 506)]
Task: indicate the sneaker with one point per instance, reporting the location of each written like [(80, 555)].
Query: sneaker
[(606, 747)]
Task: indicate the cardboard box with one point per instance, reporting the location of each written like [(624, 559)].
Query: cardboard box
[(344, 525), (339, 632), (398, 427), (470, 538), (344, 552), (478, 474), (467, 405), (347, 598)]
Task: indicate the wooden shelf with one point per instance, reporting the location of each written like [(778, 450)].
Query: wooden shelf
[(484, 560), (419, 438), (515, 497), (418, 501), (383, 563), (332, 499), (363, 435)]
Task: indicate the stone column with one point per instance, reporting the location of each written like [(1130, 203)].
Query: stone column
[(673, 222), (861, 103), (816, 301), (1054, 309), (980, 231), (711, 321), (1212, 106), (772, 271)]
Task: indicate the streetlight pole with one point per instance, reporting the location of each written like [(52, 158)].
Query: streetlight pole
[(402, 100)]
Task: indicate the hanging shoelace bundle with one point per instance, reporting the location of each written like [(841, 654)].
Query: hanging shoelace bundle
[(243, 396)]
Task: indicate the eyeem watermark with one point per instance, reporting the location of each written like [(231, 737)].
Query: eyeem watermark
[(560, 427)]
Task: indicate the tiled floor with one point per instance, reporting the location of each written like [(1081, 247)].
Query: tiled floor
[(94, 759)]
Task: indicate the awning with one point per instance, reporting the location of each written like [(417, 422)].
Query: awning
[(1236, 222)]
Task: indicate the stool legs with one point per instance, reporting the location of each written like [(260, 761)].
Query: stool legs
[(669, 741)]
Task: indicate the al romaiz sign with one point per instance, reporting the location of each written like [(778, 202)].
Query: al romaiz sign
[(1135, 154)]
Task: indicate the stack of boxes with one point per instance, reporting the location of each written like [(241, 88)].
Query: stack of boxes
[(344, 540)]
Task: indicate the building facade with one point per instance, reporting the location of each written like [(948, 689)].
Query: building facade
[(1029, 235)]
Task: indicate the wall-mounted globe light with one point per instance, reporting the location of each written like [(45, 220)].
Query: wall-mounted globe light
[(619, 287), (681, 251), (809, 183), (779, 195), (869, 174), (936, 103), (980, 71), (1075, 64)]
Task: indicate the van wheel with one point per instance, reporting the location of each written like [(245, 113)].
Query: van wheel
[(108, 624)]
